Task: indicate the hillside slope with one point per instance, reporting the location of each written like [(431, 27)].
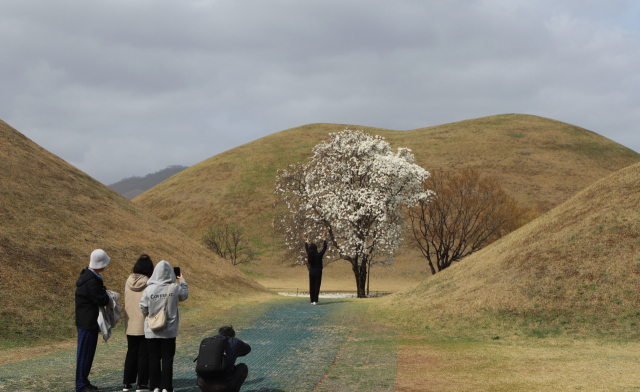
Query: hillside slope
[(52, 216), (541, 162), (576, 268)]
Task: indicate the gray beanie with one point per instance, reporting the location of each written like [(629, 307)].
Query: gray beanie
[(99, 259)]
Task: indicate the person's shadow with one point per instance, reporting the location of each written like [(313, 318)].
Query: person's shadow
[(260, 389), (326, 303), (188, 385), (253, 381)]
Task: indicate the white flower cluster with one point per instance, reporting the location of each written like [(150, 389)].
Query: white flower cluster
[(353, 188)]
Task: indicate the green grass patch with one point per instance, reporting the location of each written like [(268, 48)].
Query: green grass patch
[(543, 332), (17, 331), (600, 151), (252, 274)]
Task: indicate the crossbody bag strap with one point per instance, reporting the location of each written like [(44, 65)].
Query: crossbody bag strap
[(167, 299)]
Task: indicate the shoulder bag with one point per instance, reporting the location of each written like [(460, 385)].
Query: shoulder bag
[(158, 321)]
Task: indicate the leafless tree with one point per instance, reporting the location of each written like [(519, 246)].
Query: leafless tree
[(228, 242), (467, 213)]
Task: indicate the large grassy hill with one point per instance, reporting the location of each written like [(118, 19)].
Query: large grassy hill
[(576, 269), (52, 216), (541, 162)]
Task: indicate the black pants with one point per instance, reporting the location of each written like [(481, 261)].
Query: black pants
[(136, 365), (161, 350), (315, 278), (87, 343), (220, 385)]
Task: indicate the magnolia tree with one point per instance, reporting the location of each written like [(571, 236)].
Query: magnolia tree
[(353, 188)]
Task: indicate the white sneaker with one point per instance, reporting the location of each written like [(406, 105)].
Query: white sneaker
[(313, 303), (156, 390), (164, 390)]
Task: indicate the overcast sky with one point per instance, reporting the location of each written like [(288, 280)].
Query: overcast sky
[(127, 87)]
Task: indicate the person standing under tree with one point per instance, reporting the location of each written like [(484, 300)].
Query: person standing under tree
[(90, 294), (315, 267)]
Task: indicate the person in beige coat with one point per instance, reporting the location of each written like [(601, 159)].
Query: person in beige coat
[(136, 364)]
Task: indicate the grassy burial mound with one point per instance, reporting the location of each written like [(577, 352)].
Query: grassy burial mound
[(575, 269), (541, 162), (52, 216)]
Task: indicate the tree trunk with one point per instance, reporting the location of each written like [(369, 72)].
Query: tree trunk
[(360, 272), (433, 270), (368, 275)]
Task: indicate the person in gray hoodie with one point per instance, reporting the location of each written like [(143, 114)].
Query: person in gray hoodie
[(161, 344)]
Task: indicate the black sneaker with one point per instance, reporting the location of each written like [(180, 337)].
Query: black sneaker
[(127, 388), (142, 388), (93, 387)]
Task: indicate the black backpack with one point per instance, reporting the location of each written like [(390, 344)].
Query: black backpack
[(212, 362)]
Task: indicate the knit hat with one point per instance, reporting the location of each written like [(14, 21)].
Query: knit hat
[(99, 259)]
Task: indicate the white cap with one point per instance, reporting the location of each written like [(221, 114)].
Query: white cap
[(99, 259)]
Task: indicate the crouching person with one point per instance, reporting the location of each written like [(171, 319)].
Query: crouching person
[(222, 350)]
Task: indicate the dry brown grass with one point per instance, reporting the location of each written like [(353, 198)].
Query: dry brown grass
[(543, 365), (553, 306), (574, 270), (52, 216), (541, 162)]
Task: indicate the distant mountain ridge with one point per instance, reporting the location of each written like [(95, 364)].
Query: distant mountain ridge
[(133, 186)]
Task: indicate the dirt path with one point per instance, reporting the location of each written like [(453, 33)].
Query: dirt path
[(295, 347)]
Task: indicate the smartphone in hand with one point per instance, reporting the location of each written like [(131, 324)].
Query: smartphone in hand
[(176, 270)]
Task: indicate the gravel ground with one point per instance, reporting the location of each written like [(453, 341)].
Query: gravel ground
[(295, 347)]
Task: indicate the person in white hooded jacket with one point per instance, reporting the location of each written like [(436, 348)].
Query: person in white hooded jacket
[(161, 344)]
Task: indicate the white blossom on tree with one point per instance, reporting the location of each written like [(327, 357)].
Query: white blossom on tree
[(353, 188)]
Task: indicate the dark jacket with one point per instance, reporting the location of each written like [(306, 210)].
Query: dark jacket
[(317, 261), (235, 348), (90, 293)]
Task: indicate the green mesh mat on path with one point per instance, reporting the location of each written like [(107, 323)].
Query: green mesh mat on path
[(295, 347)]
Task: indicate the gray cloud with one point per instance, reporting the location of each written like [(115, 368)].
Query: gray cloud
[(122, 88)]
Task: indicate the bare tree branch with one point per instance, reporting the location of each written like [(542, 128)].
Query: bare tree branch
[(228, 242), (467, 213)]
